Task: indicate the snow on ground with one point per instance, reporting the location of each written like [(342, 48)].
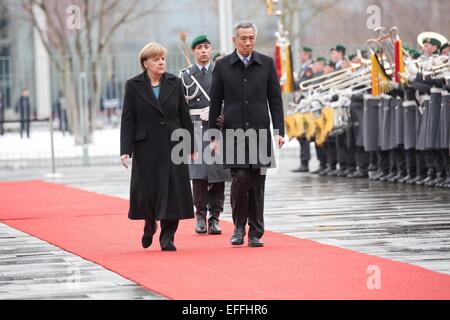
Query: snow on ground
[(12, 147), (105, 143), (17, 153)]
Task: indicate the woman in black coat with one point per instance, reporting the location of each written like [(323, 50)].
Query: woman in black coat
[(154, 107)]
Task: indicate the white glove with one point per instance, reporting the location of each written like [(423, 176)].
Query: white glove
[(204, 115)]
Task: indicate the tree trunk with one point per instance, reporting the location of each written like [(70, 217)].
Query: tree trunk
[(72, 107), (96, 80)]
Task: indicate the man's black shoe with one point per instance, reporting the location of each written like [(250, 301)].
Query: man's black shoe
[(255, 242), (237, 238), (169, 247)]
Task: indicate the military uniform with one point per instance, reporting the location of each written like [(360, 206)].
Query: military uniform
[(305, 152), (208, 180)]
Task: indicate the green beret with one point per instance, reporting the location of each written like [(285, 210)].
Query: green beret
[(339, 48), (432, 41), (444, 46), (307, 49), (351, 56), (319, 59), (200, 39)]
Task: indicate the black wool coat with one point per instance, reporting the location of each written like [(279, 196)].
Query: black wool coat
[(249, 94), (160, 189)]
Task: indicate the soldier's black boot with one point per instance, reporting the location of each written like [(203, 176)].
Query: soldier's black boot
[(321, 169), (420, 175), (201, 222), (359, 173), (213, 224), (333, 173), (376, 175), (406, 178), (348, 172), (397, 177), (329, 169), (446, 182), (304, 167), (440, 178), (430, 176), (386, 177)]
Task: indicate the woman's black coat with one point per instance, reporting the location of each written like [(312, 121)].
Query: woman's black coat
[(160, 189)]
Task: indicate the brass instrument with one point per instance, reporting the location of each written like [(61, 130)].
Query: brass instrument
[(439, 65), (313, 83)]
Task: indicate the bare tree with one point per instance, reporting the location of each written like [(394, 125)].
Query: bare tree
[(81, 49), (299, 14)]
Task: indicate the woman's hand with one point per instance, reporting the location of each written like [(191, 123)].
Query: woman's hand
[(214, 145), (279, 141), (124, 159)]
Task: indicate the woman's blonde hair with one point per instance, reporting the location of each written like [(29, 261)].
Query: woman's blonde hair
[(151, 50)]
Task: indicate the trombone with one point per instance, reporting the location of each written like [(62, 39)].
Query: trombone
[(314, 83)]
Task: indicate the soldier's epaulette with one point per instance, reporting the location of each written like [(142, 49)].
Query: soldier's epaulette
[(185, 69)]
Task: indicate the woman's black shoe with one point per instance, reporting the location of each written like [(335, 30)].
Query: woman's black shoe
[(149, 231)]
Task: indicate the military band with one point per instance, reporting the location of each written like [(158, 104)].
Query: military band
[(395, 130)]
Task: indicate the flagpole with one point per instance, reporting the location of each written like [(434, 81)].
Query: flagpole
[(282, 40)]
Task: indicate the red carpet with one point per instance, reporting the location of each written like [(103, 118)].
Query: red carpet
[(96, 228)]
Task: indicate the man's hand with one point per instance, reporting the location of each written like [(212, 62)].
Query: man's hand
[(214, 145), (204, 116), (220, 121), (124, 159), (279, 141), (194, 156)]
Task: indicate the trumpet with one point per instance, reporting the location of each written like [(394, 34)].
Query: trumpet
[(433, 66), (314, 83), (440, 64)]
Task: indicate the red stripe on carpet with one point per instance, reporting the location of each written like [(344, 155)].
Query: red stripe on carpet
[(205, 267)]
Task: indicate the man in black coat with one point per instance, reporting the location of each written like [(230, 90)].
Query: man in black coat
[(24, 108), (248, 84), (2, 114)]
